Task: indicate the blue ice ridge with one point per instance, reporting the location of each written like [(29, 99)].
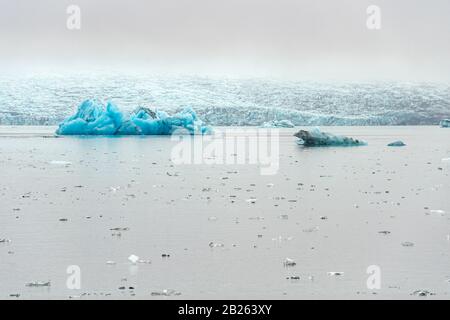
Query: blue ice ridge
[(93, 118)]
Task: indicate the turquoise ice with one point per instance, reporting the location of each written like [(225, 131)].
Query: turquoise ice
[(445, 123), (93, 118)]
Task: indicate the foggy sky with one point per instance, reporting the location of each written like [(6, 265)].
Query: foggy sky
[(280, 38)]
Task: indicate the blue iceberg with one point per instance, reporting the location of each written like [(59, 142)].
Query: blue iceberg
[(92, 118), (445, 123), (317, 138)]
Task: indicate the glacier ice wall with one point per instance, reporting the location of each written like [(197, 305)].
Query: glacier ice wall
[(48, 99), (92, 118)]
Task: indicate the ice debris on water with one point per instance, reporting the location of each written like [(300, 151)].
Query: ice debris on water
[(60, 163), (317, 138), (445, 123), (407, 244), (422, 293), (289, 262), (215, 244), (278, 124), (92, 118), (166, 292), (133, 258), (38, 284), (335, 273), (397, 144)]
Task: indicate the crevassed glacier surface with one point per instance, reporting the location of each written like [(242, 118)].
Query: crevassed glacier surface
[(39, 99), (92, 118)]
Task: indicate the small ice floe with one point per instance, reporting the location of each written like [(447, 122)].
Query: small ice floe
[(445, 123), (133, 258), (289, 262), (60, 163), (215, 244), (407, 244), (14, 295), (278, 124), (166, 292), (38, 284), (309, 230), (385, 232), (212, 218), (120, 229), (422, 293), (397, 144), (110, 262), (317, 138), (270, 185), (5, 241), (281, 239), (114, 189), (437, 211), (144, 261), (251, 200), (335, 273)]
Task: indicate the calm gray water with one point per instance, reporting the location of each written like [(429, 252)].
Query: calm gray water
[(325, 208)]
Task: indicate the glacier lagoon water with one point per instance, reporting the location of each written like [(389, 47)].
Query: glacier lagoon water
[(49, 99)]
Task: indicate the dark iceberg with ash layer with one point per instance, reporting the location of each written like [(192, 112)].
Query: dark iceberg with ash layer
[(317, 138), (92, 118), (397, 144)]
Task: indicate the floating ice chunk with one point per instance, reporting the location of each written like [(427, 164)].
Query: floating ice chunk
[(397, 144), (407, 244), (133, 258), (38, 284), (289, 262), (422, 293), (438, 211), (445, 123), (215, 244), (278, 124), (92, 118), (335, 273), (315, 137), (60, 163), (110, 262), (144, 261), (166, 292)]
